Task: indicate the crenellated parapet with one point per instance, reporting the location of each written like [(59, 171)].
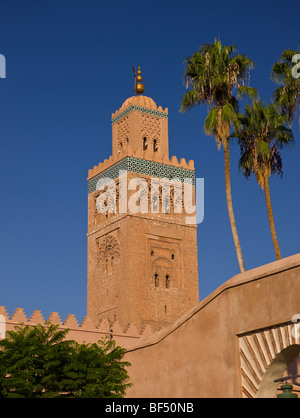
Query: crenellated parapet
[(84, 332), (140, 165), (139, 154)]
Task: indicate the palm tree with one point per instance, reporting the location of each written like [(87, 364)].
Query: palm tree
[(262, 133), (212, 74), (287, 95)]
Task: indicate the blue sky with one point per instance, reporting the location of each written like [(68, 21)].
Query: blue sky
[(69, 66)]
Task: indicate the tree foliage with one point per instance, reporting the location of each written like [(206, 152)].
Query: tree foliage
[(287, 95), (39, 362), (214, 75), (262, 133)]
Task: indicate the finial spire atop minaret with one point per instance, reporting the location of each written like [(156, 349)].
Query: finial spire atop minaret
[(139, 88)]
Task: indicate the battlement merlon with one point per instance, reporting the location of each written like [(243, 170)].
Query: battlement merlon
[(86, 331), (131, 163)]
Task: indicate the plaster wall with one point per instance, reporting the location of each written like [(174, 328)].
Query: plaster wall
[(199, 355)]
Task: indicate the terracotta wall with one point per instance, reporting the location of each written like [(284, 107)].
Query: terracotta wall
[(201, 354), (84, 332)]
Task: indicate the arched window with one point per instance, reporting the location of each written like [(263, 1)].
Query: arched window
[(167, 281), (145, 143), (156, 280), (155, 203), (167, 205), (155, 146), (112, 263)]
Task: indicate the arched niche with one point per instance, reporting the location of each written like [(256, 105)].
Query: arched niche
[(264, 356), (267, 387)]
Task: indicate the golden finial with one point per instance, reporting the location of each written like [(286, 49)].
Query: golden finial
[(139, 88)]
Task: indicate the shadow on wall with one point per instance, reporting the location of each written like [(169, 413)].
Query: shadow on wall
[(267, 387)]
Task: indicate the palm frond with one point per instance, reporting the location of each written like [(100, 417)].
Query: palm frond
[(214, 71), (246, 91), (189, 100), (211, 121), (262, 133)]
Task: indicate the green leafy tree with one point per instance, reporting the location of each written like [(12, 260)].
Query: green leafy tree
[(262, 133), (39, 362), (287, 95), (97, 371), (212, 74)]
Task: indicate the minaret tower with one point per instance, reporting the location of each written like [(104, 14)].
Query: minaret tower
[(142, 244)]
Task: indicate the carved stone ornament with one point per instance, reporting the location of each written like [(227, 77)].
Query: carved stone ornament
[(108, 254)]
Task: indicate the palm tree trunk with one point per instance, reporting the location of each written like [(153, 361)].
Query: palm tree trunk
[(229, 206), (271, 218)]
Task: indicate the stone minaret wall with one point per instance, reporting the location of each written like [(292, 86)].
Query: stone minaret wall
[(142, 266)]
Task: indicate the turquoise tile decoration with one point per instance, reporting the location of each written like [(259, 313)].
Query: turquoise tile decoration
[(140, 166), (139, 109)]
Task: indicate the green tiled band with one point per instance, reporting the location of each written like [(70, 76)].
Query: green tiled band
[(140, 166), (140, 109)]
